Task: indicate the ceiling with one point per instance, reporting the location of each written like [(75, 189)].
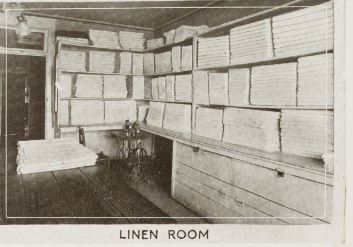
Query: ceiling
[(142, 13), (150, 14)]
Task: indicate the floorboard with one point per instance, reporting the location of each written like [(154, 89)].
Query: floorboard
[(68, 196), (129, 201), (83, 198), (43, 198), (161, 197), (15, 199)]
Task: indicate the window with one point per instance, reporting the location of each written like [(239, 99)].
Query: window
[(34, 41)]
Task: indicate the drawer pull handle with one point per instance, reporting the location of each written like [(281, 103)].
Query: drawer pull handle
[(196, 149), (280, 173)]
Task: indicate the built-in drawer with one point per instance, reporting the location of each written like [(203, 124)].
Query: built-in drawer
[(306, 196)]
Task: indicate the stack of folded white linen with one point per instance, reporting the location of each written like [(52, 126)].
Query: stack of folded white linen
[(304, 31), (200, 79), (209, 123), (170, 87), (186, 58), (307, 132), (132, 40), (251, 42), (87, 112), (239, 86), (169, 37), (155, 114), (154, 88), (116, 112), (104, 39), (183, 88), (163, 62), (142, 111), (253, 128), (162, 93), (315, 80), (154, 43), (138, 87), (65, 85), (102, 61), (64, 112), (184, 32), (72, 41), (213, 52), (148, 63), (125, 63), (137, 63), (89, 86), (115, 86), (274, 85), (218, 88), (176, 58), (51, 155), (72, 60), (177, 117)]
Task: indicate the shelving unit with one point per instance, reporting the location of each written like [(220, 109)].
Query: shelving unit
[(168, 47), (170, 73), (70, 129), (60, 128), (93, 98), (274, 60), (272, 107), (96, 73), (91, 47), (224, 30), (176, 102), (315, 165), (245, 157)]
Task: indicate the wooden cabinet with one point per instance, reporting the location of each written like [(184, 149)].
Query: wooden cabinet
[(227, 186)]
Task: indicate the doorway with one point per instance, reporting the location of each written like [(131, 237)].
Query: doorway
[(163, 149), (23, 96)]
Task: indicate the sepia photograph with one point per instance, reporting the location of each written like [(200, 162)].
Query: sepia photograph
[(174, 119)]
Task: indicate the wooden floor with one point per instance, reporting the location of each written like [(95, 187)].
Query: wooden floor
[(82, 192), (69, 196)]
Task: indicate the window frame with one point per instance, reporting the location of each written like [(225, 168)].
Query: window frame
[(24, 50)]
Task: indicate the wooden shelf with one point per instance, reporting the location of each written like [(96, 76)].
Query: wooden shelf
[(272, 107), (168, 46), (164, 133), (82, 46), (95, 98), (143, 99), (274, 60), (158, 49), (316, 166), (97, 73), (177, 102), (165, 101), (171, 73), (70, 129)]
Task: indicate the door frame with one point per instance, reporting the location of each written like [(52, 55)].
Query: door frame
[(30, 52)]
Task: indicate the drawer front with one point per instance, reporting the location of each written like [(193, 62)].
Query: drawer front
[(302, 195), (259, 209), (205, 207), (223, 200)]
